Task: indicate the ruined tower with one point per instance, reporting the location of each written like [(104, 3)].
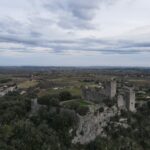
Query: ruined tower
[(111, 88), (130, 98), (120, 102), (34, 105)]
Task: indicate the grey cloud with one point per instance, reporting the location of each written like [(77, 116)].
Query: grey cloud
[(70, 23), (73, 13), (31, 36), (34, 40), (9, 25), (79, 9), (83, 9), (35, 34)]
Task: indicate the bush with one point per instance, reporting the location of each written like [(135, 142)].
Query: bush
[(101, 109), (73, 105), (50, 100), (148, 104), (5, 80), (65, 95), (82, 110)]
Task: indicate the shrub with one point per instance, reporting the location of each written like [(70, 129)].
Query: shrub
[(5, 80), (101, 109), (50, 100), (82, 110), (65, 95)]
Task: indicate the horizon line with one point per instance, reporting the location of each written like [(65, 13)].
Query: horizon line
[(75, 66)]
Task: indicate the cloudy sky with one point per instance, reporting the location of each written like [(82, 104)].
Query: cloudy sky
[(75, 32)]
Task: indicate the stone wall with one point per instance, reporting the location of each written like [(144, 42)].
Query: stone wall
[(92, 125), (93, 94), (99, 94)]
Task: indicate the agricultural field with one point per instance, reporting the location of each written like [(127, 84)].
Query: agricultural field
[(27, 84)]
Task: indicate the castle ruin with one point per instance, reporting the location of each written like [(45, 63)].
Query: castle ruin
[(99, 93), (125, 96)]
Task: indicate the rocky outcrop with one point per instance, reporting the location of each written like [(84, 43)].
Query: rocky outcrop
[(5, 90)]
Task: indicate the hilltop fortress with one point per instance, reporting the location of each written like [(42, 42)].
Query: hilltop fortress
[(125, 96)]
